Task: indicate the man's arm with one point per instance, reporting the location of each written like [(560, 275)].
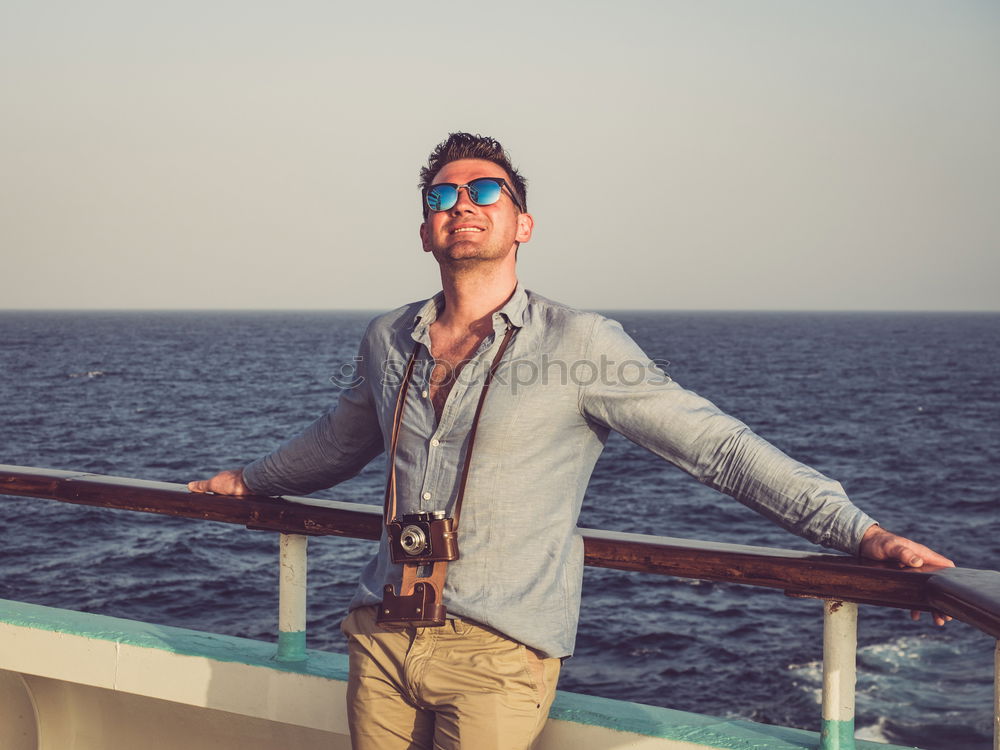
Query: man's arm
[(332, 449), (716, 449), (722, 452)]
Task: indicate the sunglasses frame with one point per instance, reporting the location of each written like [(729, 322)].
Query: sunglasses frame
[(498, 180)]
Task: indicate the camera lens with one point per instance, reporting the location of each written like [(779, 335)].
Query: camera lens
[(413, 540)]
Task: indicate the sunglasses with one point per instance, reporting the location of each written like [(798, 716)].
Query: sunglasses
[(483, 191)]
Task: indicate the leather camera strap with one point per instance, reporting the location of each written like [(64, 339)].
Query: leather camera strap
[(389, 505), (475, 423), (412, 582), (390, 488)]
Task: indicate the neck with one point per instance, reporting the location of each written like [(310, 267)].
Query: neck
[(472, 298)]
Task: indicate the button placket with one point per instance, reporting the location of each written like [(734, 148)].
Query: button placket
[(432, 468), (471, 379)]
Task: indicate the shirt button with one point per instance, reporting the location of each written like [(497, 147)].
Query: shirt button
[(427, 496), (423, 394), (435, 442)]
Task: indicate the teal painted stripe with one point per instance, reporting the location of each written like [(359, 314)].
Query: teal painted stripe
[(707, 731), (291, 646), (837, 735), (651, 721)]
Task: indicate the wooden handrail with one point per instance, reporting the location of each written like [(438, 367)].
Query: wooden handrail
[(972, 596)]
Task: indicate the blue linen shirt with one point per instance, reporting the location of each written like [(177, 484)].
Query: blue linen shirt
[(567, 379)]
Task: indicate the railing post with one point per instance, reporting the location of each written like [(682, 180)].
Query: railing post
[(292, 598), (840, 647)]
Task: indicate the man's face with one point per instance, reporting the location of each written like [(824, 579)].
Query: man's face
[(467, 232)]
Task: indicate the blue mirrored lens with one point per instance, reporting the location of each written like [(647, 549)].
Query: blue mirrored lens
[(484, 192), (442, 197)]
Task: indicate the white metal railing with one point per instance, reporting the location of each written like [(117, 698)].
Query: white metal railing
[(840, 648), (294, 563)]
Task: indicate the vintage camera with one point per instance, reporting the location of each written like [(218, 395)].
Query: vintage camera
[(423, 538)]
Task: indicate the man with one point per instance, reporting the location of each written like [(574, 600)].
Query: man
[(486, 678)]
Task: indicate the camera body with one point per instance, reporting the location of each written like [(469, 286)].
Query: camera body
[(423, 538)]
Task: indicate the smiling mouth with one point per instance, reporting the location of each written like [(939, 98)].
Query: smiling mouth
[(466, 229)]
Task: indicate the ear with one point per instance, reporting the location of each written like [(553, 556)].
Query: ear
[(423, 237), (525, 225)]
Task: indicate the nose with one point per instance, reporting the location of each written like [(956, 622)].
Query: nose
[(464, 201)]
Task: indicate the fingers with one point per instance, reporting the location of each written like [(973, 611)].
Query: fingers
[(939, 617), (904, 551), (917, 555), (229, 482), (879, 544)]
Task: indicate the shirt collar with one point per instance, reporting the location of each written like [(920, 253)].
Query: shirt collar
[(512, 312)]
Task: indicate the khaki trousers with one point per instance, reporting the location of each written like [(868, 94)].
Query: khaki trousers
[(461, 685)]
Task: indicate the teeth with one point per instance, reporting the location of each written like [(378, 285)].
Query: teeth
[(467, 229)]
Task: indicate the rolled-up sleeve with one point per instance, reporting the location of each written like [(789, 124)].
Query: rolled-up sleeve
[(636, 398)]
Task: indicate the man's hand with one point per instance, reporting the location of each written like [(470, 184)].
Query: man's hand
[(229, 482), (879, 544)]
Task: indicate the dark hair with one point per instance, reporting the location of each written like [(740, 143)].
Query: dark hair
[(467, 146)]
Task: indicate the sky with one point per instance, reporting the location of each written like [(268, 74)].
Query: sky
[(771, 155)]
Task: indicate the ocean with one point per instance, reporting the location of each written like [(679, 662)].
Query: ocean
[(902, 408)]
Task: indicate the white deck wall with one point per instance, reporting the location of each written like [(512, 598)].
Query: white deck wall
[(72, 681)]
